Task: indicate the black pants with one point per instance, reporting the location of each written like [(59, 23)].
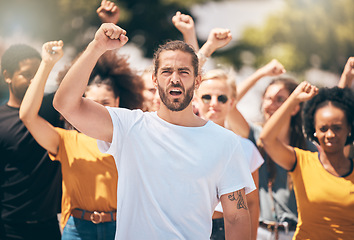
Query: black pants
[(218, 232), (43, 230)]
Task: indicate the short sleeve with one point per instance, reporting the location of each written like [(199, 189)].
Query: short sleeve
[(122, 119), (236, 175)]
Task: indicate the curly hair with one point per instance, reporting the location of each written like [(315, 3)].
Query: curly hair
[(114, 71), (342, 98)]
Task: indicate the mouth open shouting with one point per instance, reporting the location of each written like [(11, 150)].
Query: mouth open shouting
[(175, 93), (176, 98)]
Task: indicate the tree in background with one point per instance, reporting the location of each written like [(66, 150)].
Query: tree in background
[(148, 22), (303, 34)]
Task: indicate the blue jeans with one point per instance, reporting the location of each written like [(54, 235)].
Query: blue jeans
[(79, 229)]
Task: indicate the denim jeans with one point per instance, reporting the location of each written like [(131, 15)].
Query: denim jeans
[(79, 229), (218, 232)]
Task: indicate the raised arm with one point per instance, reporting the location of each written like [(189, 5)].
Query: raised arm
[(87, 116), (41, 130), (279, 151), (273, 68), (218, 38), (185, 24), (108, 12), (347, 76), (236, 215), (237, 122)]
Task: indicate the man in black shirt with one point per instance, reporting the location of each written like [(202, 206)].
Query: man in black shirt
[(30, 183)]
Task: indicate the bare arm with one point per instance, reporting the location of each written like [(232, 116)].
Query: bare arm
[(279, 151), (347, 76), (273, 68), (87, 116), (185, 24), (218, 38), (41, 130), (253, 205), (108, 12), (236, 215), (237, 122)]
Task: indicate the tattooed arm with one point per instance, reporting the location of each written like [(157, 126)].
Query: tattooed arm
[(236, 215)]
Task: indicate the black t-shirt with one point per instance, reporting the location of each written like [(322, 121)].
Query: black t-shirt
[(30, 183), (48, 112)]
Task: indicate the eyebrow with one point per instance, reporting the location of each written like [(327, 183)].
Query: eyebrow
[(179, 69)]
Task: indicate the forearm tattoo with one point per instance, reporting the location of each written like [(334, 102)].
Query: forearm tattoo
[(237, 196)]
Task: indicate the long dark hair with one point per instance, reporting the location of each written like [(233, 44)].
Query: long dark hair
[(297, 137)]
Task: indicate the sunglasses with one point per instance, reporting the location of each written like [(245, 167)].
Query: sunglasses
[(221, 99)]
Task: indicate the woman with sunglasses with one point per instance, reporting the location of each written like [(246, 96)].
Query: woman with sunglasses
[(215, 99)]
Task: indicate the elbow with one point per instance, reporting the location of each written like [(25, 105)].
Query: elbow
[(265, 141), (60, 105), (261, 142), (56, 103), (24, 117)]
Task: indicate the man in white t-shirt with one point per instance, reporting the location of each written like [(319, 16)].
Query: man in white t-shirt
[(173, 166)]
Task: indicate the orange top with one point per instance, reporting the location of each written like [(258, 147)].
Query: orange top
[(89, 176), (325, 202)]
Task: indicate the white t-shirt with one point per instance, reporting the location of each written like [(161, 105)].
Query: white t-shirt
[(170, 176), (254, 158)]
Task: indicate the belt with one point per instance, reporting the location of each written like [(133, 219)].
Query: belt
[(95, 217), (282, 226)]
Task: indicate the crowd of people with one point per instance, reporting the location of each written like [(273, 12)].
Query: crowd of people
[(166, 154)]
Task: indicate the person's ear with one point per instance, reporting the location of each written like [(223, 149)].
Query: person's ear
[(198, 80), (232, 102), (116, 102), (154, 80), (7, 77), (296, 110)]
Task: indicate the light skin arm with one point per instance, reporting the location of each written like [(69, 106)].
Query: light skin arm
[(253, 205), (218, 38), (273, 68), (185, 24), (86, 115), (108, 12), (43, 132), (236, 215), (280, 152), (347, 76), (235, 119), (237, 122)]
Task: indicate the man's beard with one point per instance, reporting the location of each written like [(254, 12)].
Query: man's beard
[(176, 105)]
